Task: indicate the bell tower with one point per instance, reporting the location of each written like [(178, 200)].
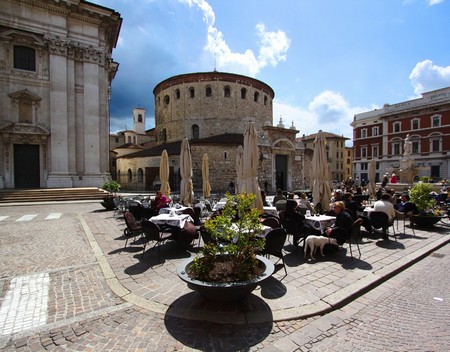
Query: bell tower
[(139, 120)]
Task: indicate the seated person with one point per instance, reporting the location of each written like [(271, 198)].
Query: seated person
[(354, 207), (160, 201), (304, 201), (342, 227), (405, 205), (385, 205), (291, 212), (279, 196)]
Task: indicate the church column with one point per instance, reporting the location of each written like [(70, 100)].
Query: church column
[(59, 160)]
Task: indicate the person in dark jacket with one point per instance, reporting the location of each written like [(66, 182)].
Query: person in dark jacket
[(342, 226)]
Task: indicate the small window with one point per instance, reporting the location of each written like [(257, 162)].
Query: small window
[(195, 132), (139, 118), (396, 149), (227, 92), (374, 150), (364, 133), (130, 175), (436, 120), (225, 155), (415, 125), (192, 92), (256, 97), (363, 152), (265, 100), (435, 144), (24, 58), (397, 127), (415, 147), (140, 175), (129, 139), (375, 131), (208, 92), (177, 94), (166, 100), (244, 93)]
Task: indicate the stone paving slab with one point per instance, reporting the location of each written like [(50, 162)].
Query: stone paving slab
[(310, 288)]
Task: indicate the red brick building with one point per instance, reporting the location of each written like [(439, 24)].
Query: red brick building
[(380, 134)]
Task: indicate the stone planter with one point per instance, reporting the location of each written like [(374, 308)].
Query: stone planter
[(425, 220), (108, 203), (225, 292)]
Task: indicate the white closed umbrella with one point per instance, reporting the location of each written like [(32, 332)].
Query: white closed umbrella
[(371, 187), (239, 168), (251, 159), (205, 176), (320, 174), (164, 173), (186, 188)]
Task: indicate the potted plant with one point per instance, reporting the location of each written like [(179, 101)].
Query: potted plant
[(420, 195), (108, 201), (228, 267)]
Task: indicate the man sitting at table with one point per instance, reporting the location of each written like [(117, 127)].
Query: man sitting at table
[(405, 205), (160, 201), (342, 227), (354, 208)]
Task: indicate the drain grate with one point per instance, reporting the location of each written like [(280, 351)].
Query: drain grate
[(437, 255)]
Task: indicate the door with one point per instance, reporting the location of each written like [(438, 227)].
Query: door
[(281, 171), (26, 166)]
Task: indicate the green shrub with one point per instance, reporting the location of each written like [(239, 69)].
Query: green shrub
[(420, 196), (111, 186)]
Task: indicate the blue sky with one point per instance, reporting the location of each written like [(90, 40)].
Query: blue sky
[(325, 59)]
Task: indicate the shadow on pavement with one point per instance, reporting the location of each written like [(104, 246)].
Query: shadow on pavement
[(202, 335)]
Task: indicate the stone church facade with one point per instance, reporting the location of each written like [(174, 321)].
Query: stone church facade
[(211, 109), (55, 76)]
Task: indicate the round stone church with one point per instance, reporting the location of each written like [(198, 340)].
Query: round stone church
[(211, 109)]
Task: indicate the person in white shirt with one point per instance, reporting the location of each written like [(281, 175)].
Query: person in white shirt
[(385, 205)]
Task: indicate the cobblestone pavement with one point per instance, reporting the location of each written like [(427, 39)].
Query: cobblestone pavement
[(102, 297), (410, 312)]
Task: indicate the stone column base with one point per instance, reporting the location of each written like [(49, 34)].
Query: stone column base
[(59, 181)]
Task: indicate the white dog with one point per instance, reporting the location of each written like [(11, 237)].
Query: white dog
[(313, 242)]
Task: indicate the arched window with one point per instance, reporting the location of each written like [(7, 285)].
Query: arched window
[(118, 176), (227, 92), (164, 135), (129, 139), (130, 175), (195, 132), (140, 175), (244, 93), (208, 91), (225, 155), (177, 94), (166, 100), (265, 100), (256, 97), (140, 118), (192, 92), (134, 140)]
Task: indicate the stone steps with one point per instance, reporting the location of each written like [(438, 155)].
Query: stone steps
[(51, 194)]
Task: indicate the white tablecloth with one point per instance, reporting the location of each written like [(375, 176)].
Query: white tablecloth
[(167, 210), (320, 222), (168, 219), (271, 210)]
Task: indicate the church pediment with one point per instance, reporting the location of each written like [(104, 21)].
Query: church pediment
[(18, 128), (24, 94)]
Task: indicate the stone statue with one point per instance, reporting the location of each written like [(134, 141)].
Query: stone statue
[(407, 146)]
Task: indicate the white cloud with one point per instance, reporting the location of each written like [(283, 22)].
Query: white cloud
[(328, 111), (434, 2), (426, 76), (272, 45)]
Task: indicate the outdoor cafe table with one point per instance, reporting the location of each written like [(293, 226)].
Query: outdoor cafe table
[(271, 210), (177, 210), (181, 226), (173, 220), (321, 222)]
